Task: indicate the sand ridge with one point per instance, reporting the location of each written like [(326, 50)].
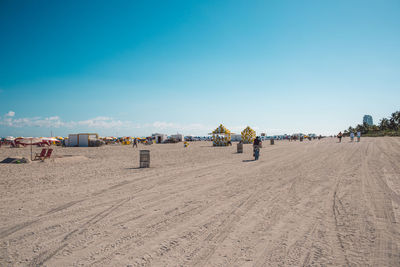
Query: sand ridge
[(303, 203)]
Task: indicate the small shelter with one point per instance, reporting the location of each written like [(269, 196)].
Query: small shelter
[(159, 138), (81, 139), (221, 136), (178, 137), (248, 135)]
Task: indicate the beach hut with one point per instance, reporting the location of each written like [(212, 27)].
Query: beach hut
[(248, 135), (221, 136), (178, 137), (81, 139), (159, 138)]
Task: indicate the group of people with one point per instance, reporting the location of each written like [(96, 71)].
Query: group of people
[(340, 135)]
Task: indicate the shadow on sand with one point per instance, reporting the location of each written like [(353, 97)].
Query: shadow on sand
[(249, 160)]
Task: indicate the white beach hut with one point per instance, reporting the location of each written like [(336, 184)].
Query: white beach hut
[(178, 137), (81, 139), (159, 137)]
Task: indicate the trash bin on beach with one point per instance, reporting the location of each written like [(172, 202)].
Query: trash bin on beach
[(272, 141), (239, 148), (144, 158)]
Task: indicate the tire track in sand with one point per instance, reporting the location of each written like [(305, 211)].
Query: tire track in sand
[(48, 254)]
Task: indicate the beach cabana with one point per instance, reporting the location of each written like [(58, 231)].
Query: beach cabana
[(248, 135), (81, 139), (221, 136), (178, 137), (159, 138)]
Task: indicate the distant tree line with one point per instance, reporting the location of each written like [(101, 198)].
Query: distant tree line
[(387, 126)]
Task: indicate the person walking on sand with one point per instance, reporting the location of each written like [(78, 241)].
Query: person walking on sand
[(358, 136), (340, 135), (134, 142), (351, 137), (257, 144)]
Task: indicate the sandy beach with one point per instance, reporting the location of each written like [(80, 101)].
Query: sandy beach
[(311, 203)]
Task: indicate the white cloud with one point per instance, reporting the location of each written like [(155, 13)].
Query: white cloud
[(163, 125), (56, 122), (102, 123), (10, 114)]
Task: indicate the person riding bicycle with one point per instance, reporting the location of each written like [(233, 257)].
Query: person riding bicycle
[(257, 144)]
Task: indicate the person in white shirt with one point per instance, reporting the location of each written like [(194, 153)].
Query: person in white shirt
[(351, 137)]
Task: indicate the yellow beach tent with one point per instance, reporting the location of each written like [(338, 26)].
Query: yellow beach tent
[(248, 135), (221, 136)]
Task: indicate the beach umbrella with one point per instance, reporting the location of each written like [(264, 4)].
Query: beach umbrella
[(10, 138), (34, 141)]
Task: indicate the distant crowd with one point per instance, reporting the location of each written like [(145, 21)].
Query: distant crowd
[(352, 135)]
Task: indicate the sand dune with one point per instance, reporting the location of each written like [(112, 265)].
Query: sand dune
[(309, 203)]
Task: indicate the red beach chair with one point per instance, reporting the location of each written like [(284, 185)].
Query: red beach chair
[(41, 155), (48, 155)]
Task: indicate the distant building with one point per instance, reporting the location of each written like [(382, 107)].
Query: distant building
[(159, 137), (178, 137), (368, 119)]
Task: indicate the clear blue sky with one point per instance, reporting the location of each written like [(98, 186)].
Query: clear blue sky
[(135, 67)]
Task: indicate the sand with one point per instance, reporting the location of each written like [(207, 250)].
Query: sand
[(303, 203)]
